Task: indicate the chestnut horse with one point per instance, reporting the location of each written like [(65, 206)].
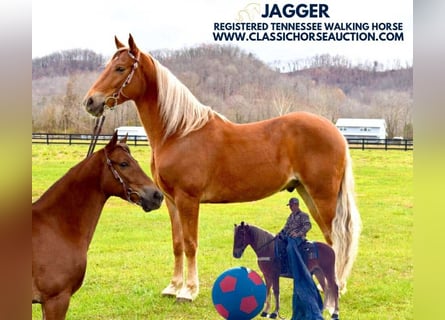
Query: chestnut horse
[(198, 156), (66, 215), (263, 243)]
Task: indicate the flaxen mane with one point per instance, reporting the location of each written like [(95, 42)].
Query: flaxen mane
[(181, 112)]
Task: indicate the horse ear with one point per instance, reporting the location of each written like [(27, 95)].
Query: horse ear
[(113, 141), (133, 48), (118, 43), (124, 139)]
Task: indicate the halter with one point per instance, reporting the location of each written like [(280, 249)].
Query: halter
[(126, 82), (128, 191)]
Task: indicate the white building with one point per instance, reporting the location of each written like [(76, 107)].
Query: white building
[(362, 128), (132, 131)]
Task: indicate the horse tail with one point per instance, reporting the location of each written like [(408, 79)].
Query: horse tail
[(346, 226)]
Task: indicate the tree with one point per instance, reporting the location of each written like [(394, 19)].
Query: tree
[(69, 101), (234, 83)]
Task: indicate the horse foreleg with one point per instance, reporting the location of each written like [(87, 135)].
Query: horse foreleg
[(178, 250), (188, 209), (265, 312), (56, 307)]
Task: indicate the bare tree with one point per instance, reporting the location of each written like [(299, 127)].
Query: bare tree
[(235, 83)]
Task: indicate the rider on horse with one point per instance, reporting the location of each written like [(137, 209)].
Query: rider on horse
[(306, 301)]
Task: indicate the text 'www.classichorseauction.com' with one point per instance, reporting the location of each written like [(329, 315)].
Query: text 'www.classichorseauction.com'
[(295, 25)]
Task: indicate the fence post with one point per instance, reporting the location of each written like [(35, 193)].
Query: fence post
[(47, 138), (386, 143), (363, 144), (69, 139)]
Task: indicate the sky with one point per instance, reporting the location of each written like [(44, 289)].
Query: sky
[(177, 24)]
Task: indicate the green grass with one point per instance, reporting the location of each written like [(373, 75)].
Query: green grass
[(130, 259)]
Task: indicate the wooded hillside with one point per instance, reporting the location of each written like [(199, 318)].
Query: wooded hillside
[(234, 83)]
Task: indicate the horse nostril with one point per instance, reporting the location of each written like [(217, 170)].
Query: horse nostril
[(89, 102), (158, 196)]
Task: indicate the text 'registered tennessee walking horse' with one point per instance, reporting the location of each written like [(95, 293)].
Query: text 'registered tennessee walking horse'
[(65, 216), (198, 156)]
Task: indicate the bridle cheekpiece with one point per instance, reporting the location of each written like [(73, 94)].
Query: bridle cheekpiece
[(128, 191), (126, 82)]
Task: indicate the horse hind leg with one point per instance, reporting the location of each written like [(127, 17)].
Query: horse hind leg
[(178, 250), (323, 286), (276, 293), (322, 210), (327, 271), (332, 295)]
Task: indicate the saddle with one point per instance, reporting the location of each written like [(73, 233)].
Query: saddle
[(307, 249)]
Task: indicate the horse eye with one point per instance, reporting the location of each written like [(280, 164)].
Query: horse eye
[(123, 164), (120, 69)]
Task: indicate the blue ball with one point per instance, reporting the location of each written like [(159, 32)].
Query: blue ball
[(239, 294)]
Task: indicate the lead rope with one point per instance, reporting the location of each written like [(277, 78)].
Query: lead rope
[(97, 129)]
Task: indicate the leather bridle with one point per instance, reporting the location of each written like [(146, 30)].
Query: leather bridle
[(129, 192), (115, 96)]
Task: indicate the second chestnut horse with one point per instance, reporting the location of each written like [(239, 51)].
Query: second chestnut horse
[(64, 219)]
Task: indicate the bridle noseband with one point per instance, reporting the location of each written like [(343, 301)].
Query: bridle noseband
[(115, 96), (128, 191)]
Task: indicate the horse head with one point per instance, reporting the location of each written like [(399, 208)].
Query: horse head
[(126, 179), (241, 239), (120, 81)]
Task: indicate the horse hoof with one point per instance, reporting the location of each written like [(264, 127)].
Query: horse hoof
[(264, 314), (183, 300), (170, 291), (273, 316), (185, 295), (335, 317), (168, 295)]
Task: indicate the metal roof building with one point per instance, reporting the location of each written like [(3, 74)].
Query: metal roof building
[(362, 128)]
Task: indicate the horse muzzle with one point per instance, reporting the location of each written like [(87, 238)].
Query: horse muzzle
[(150, 199), (237, 253), (94, 105)]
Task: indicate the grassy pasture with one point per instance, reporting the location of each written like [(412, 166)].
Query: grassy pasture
[(130, 259)]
